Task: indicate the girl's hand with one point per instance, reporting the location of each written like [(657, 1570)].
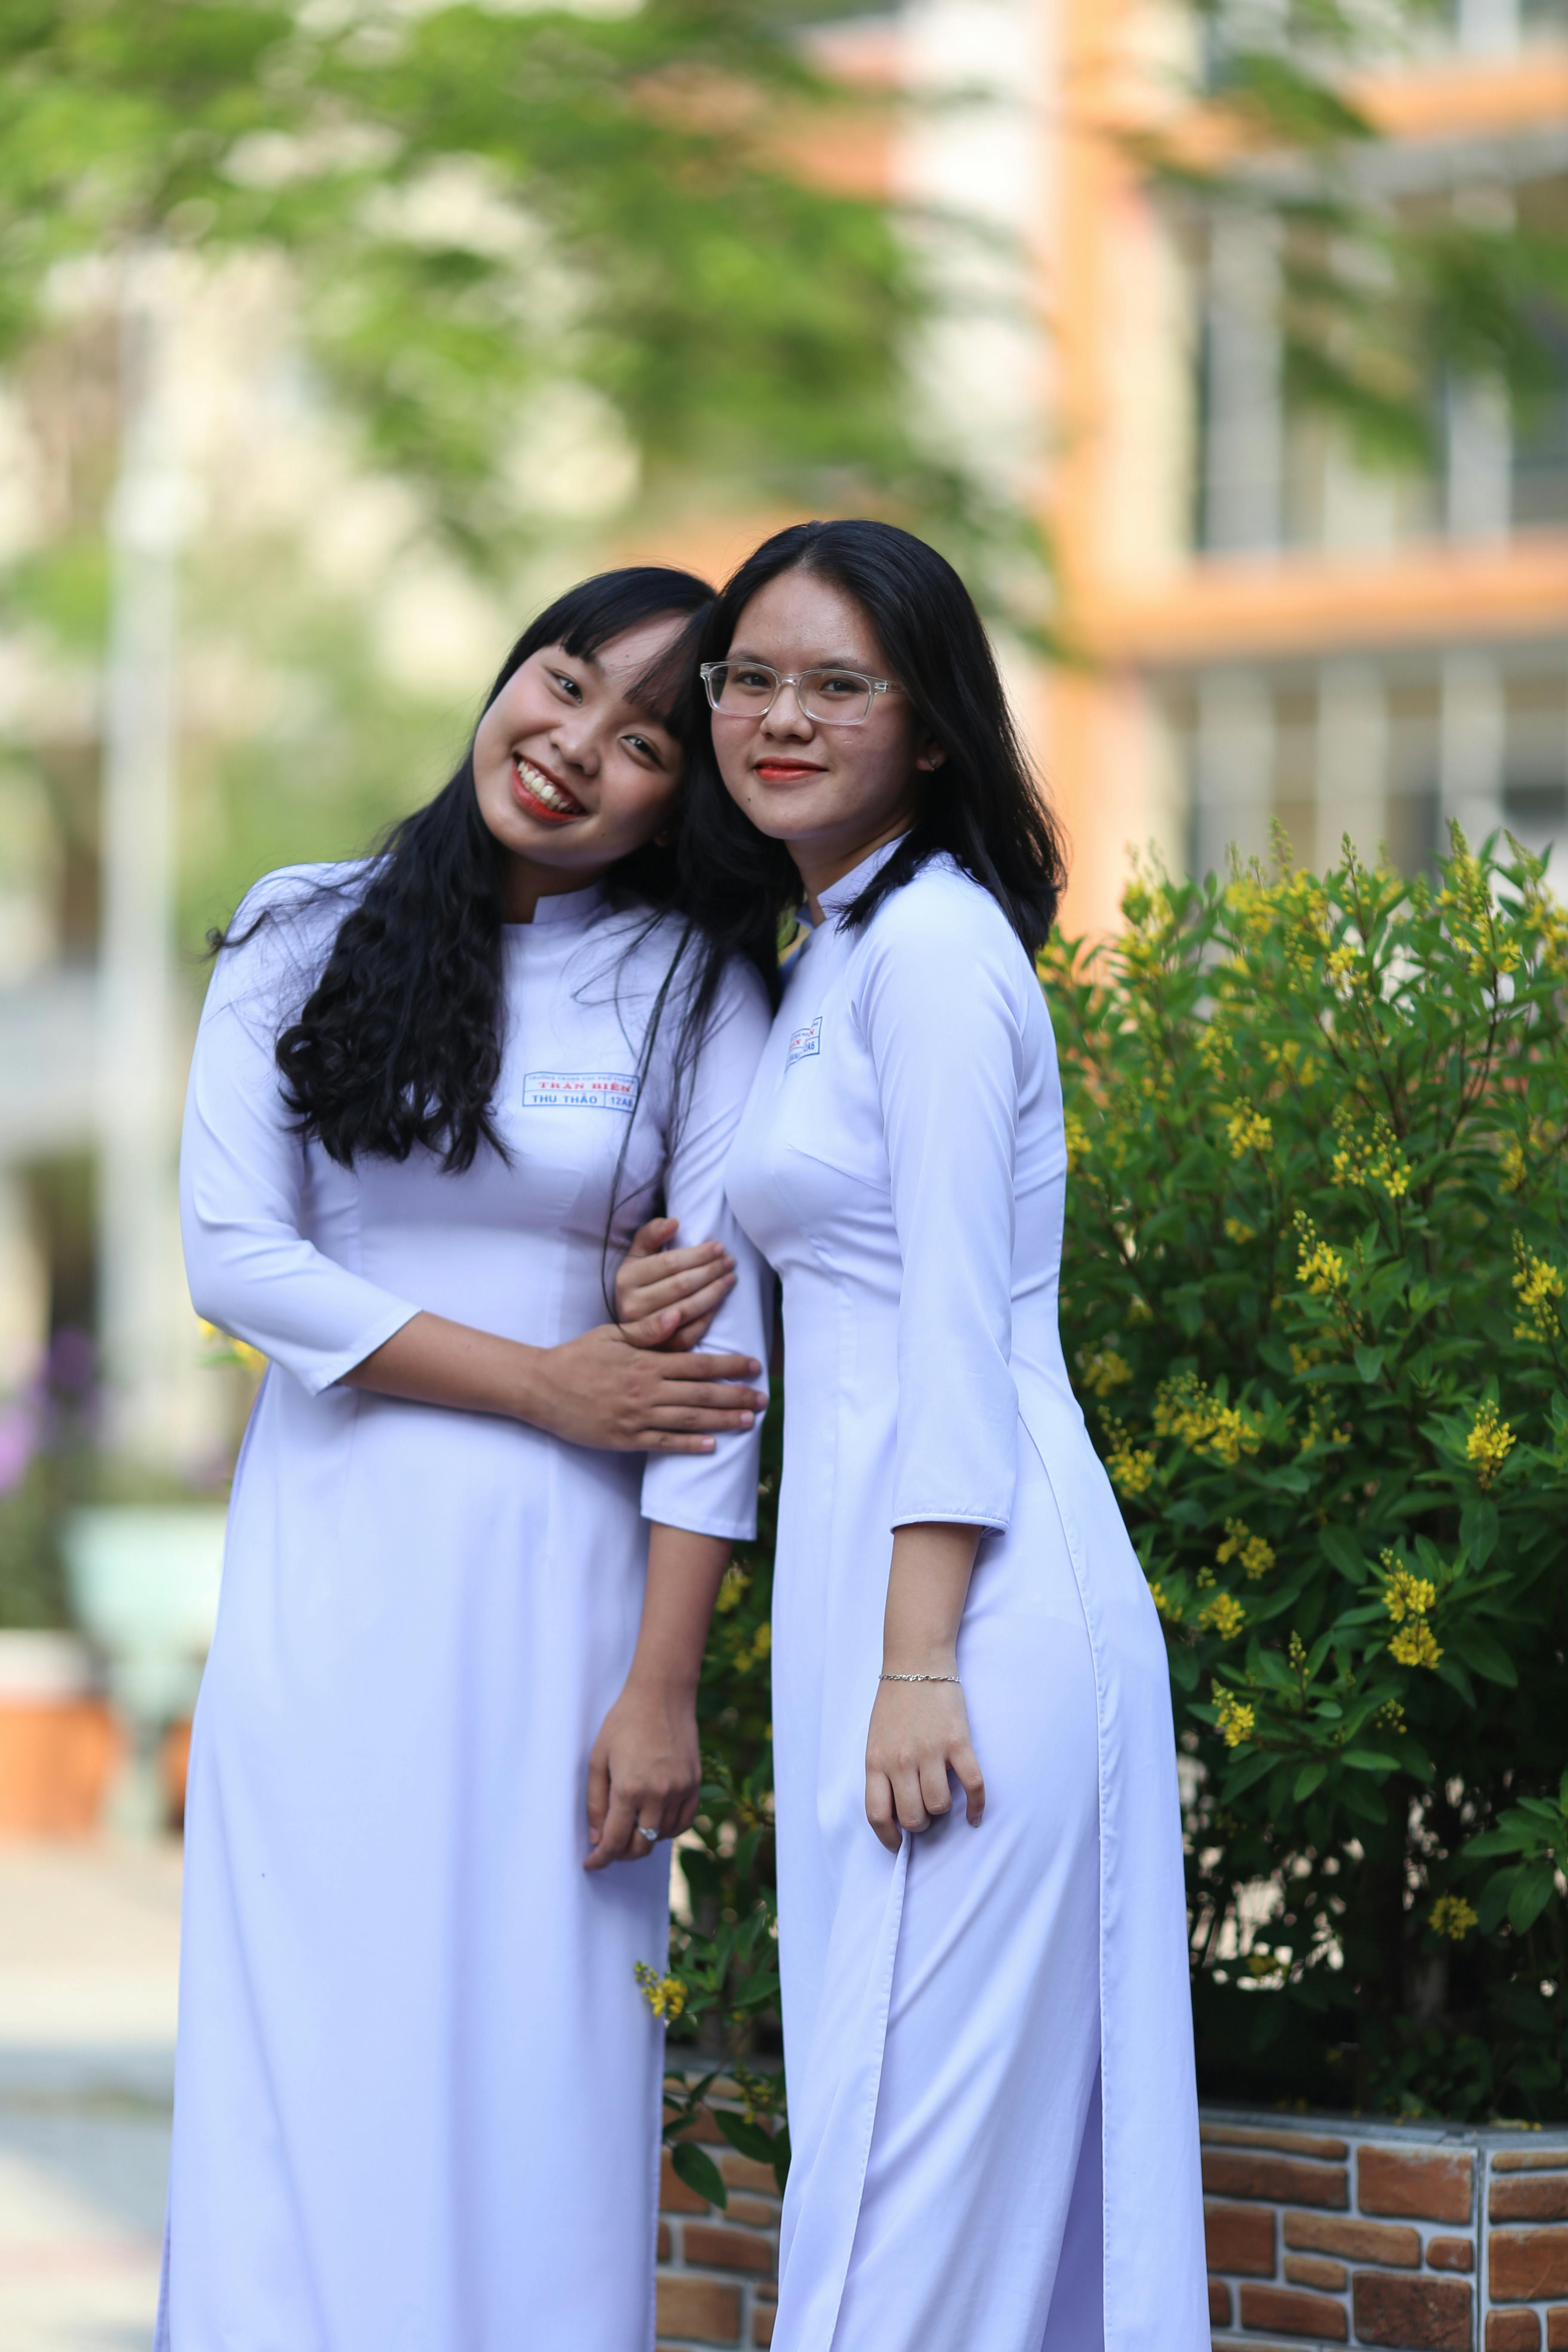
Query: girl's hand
[(644, 1768), (600, 1390), (919, 1734), (667, 1297)]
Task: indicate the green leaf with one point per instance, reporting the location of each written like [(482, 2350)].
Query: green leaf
[(696, 2167), (1245, 1771), (1450, 1671), (1478, 1525), (1497, 1841), (1485, 1654), (1345, 1552), (1369, 1363), (1368, 1759), (1532, 1892), (1310, 1777), (749, 2139), (1494, 1900)]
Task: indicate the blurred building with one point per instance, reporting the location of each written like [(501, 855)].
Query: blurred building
[(1268, 630), (1278, 632)]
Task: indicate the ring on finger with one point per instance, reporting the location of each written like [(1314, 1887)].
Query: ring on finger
[(651, 1835)]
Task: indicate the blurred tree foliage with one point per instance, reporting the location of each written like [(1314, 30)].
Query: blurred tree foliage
[(479, 202), (1315, 1288)]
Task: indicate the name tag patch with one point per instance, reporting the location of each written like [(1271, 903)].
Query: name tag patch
[(580, 1090), (805, 1041)]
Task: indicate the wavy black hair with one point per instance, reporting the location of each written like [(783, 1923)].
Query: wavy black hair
[(984, 806), (399, 1041)]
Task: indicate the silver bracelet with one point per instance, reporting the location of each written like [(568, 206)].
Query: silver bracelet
[(917, 1678)]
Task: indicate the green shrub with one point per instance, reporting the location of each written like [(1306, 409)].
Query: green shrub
[(1314, 1279), (1314, 1276)]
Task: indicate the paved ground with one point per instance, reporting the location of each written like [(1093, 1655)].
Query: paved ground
[(89, 1951)]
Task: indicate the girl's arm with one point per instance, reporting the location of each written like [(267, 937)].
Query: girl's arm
[(919, 1730), (939, 1003), (603, 1389), (646, 1765), (253, 1272)]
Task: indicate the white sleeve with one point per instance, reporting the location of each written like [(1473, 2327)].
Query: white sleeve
[(716, 1493), (242, 1169), (938, 1005)]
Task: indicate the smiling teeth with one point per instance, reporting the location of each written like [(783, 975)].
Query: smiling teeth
[(543, 790)]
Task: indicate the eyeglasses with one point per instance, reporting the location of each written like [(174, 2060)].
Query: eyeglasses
[(841, 697)]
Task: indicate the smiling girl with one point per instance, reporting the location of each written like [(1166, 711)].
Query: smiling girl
[(452, 1677), (981, 1931)]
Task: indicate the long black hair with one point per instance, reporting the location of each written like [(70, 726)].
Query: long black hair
[(984, 806), (399, 1043)]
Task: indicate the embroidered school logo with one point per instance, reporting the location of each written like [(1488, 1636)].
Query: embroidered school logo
[(584, 1090), (805, 1041)]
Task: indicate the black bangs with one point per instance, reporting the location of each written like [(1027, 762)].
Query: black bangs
[(667, 687)]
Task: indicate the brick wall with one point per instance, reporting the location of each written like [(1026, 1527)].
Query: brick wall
[(716, 2270), (1418, 2237), (1425, 2237)]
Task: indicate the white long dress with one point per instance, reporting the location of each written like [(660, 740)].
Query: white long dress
[(988, 2037), (417, 2088)]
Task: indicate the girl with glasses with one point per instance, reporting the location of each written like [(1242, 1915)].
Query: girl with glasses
[(417, 2088), (981, 1927)]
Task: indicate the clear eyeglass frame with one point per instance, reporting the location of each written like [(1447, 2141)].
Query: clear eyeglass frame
[(805, 682)]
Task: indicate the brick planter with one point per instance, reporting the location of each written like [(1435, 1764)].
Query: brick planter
[(1322, 2232), (716, 2271), (1423, 2237)]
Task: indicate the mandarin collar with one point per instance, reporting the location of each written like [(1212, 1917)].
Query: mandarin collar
[(565, 909), (847, 888)]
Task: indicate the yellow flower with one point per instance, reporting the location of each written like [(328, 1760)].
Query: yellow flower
[(224, 1350), (1131, 1467), (1452, 1915), (732, 1585), (1318, 1268), (1169, 1609), (1296, 1650), (1247, 1131), (1256, 1553), (1391, 1715), (1513, 1165), (757, 1650), (1224, 1615), (1342, 965), (1415, 1645), (1234, 1231), (1541, 1287), (1104, 1369), (1488, 1445), (1186, 1410), (1367, 1160), (1076, 1139), (666, 1996), (1405, 1595), (1234, 1720)]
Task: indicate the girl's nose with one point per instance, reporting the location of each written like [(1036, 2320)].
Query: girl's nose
[(786, 717)]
